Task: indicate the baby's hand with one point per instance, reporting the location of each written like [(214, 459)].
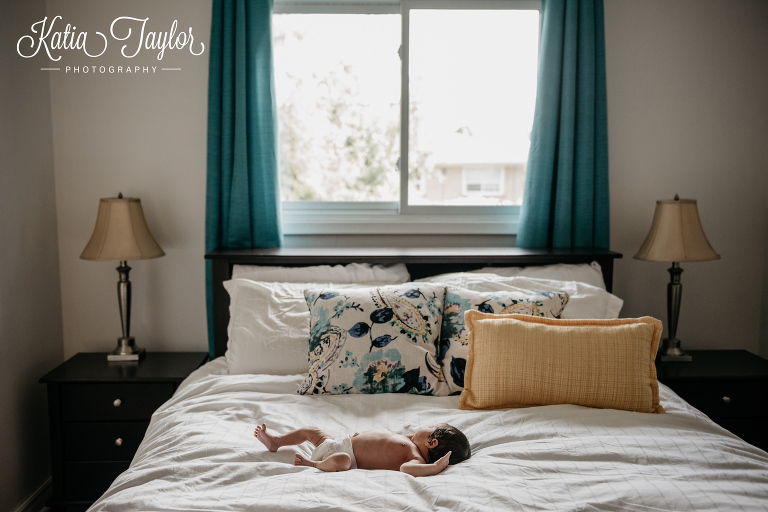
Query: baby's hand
[(442, 462)]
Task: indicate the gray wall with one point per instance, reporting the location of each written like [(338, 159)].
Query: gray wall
[(763, 351), (143, 135), (30, 298), (688, 115)]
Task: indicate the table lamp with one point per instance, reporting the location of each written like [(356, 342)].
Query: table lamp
[(121, 234), (676, 235)]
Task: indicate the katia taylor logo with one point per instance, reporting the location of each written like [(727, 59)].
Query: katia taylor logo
[(133, 32)]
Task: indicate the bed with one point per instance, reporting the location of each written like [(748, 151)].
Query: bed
[(199, 452)]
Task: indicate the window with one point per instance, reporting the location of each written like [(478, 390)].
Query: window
[(337, 84), (403, 109), (482, 182), (472, 89)]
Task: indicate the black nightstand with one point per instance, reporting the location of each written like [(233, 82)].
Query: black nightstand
[(99, 412), (729, 386)]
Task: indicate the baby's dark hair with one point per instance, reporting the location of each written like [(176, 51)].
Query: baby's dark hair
[(449, 439)]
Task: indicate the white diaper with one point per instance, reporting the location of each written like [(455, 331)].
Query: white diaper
[(331, 446)]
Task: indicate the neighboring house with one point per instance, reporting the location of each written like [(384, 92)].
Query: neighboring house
[(466, 169)]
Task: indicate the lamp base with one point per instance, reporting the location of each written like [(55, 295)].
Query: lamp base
[(126, 351), (673, 352)]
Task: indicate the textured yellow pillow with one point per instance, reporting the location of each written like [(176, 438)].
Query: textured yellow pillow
[(523, 361)]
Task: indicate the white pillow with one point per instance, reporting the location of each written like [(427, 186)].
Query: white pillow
[(269, 326), (589, 273), (352, 273), (586, 301)]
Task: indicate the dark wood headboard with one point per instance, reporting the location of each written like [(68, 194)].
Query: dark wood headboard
[(421, 262)]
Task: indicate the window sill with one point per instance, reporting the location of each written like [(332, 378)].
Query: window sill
[(382, 222)]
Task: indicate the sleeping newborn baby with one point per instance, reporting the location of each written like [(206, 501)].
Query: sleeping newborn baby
[(427, 452)]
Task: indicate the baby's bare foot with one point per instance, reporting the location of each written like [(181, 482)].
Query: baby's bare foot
[(300, 460), (270, 441)]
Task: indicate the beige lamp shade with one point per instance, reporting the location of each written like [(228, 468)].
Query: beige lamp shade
[(121, 233), (676, 234)]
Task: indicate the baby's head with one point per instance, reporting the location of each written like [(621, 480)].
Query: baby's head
[(449, 439)]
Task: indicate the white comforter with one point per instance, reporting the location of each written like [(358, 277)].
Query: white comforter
[(200, 454)]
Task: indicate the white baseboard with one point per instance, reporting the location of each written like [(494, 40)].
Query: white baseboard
[(36, 501)]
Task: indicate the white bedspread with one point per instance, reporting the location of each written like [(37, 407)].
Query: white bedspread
[(200, 454)]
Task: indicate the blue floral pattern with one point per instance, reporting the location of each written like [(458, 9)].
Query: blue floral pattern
[(452, 347), (375, 340)]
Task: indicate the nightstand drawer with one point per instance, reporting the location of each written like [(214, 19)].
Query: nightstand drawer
[(113, 402), (89, 480), (102, 441), (726, 398)]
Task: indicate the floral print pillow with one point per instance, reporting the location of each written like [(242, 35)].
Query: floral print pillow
[(375, 340), (452, 348)]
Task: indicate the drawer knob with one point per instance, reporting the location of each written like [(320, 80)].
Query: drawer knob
[(726, 399), (117, 402), (119, 441)]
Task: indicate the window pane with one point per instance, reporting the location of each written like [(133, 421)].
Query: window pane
[(337, 81), (472, 92), (483, 181)]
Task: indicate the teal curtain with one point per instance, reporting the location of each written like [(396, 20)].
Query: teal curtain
[(243, 194), (565, 203)]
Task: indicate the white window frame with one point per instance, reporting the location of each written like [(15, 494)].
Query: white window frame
[(396, 217)]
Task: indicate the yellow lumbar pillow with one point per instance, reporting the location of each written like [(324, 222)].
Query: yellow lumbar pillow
[(524, 361)]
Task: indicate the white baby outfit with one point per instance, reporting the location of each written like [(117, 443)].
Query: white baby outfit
[(331, 446)]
